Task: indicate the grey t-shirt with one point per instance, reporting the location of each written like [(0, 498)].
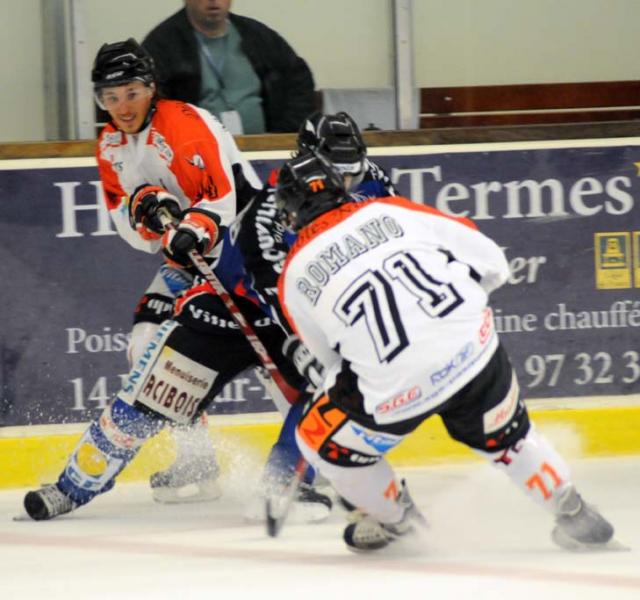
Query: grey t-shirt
[(229, 81)]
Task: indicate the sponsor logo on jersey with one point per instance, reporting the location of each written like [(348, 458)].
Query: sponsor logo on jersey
[(110, 140), (160, 144), (176, 280), (197, 161), (381, 443), (270, 234), (486, 329), (453, 364), (401, 400), (200, 314), (154, 304)]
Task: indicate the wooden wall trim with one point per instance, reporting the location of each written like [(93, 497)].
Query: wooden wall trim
[(537, 96), (458, 135)]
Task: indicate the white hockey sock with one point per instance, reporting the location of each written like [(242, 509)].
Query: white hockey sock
[(373, 489), (535, 467)]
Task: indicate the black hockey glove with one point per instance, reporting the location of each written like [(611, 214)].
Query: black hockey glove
[(307, 365), (197, 231), (144, 206)]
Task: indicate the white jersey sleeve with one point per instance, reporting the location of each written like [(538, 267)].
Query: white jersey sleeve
[(469, 246)]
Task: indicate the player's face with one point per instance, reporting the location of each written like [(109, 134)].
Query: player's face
[(208, 13), (128, 104)]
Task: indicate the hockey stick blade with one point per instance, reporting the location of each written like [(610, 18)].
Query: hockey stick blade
[(277, 505), (274, 524)]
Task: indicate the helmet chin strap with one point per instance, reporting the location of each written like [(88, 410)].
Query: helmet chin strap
[(353, 181), (150, 112)]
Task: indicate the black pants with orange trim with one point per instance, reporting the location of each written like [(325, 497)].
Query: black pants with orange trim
[(209, 335), (340, 432)]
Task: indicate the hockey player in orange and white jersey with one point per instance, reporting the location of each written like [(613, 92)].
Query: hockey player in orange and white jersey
[(159, 153), (170, 156), (392, 298)]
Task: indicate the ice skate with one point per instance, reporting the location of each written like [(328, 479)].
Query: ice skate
[(308, 505), (580, 526), (365, 533), (189, 479), (47, 502)]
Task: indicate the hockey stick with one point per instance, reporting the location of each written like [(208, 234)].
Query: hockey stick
[(289, 392), (277, 505), (274, 522)]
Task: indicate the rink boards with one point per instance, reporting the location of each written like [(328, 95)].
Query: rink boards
[(596, 427), (566, 214)]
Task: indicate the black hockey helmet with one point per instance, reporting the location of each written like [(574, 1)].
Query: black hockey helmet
[(337, 138), (120, 63), (308, 186)]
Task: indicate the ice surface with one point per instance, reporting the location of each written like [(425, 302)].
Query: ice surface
[(487, 540)]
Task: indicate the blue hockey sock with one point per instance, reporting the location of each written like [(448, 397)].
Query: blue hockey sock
[(105, 448), (284, 455)]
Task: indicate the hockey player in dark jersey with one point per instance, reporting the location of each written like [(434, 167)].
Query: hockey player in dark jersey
[(264, 243), (251, 261), (253, 254)]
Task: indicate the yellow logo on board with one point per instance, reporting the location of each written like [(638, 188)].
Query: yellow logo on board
[(614, 260)]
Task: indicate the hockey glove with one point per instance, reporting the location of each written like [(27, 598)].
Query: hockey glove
[(144, 205), (197, 231), (307, 365)]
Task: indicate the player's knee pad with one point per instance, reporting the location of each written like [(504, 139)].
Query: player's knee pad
[(328, 438), (166, 380), (105, 448), (534, 465), (351, 456)]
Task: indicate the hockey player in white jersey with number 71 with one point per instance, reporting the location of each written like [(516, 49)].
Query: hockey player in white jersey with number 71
[(392, 297)]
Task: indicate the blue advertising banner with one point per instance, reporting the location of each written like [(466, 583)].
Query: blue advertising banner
[(566, 215)]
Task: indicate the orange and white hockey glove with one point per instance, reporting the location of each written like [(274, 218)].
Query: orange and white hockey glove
[(197, 231), (144, 206)]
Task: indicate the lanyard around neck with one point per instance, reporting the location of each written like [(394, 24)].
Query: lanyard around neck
[(218, 67)]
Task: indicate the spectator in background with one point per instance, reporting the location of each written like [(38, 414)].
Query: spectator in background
[(235, 67)]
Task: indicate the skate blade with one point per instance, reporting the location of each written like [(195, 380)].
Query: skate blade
[(189, 494), (309, 512), (615, 545), (612, 545), (567, 543), (20, 517)]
